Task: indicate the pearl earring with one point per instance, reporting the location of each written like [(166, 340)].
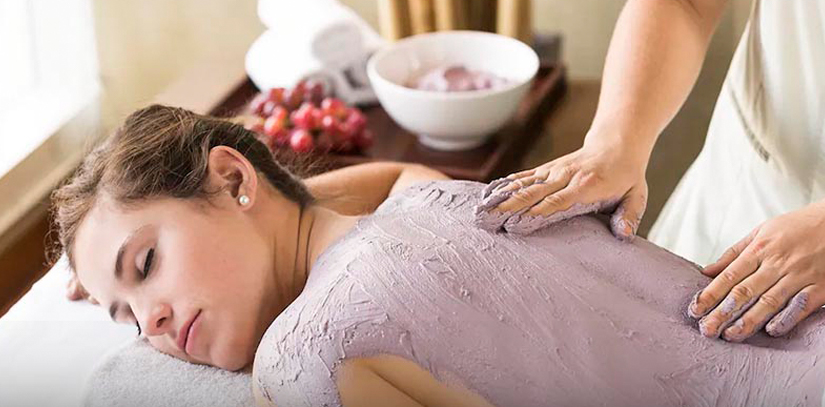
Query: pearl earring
[(243, 200)]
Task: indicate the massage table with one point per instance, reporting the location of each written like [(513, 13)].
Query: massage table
[(49, 346)]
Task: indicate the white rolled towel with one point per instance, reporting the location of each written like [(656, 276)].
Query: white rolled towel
[(274, 62), (333, 32)]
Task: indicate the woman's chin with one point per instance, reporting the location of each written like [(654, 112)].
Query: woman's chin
[(233, 360), (232, 365)]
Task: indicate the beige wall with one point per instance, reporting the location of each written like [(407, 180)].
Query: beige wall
[(145, 44), (587, 25)]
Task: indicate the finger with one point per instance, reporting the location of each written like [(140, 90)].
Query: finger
[(534, 194), (625, 220), (519, 183), (802, 305), (559, 201), (528, 196), (713, 269), (739, 300), (710, 296), (522, 174), (769, 304)]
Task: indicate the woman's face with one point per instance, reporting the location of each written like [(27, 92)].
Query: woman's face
[(192, 275)]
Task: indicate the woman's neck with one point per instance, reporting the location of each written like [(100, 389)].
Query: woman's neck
[(318, 228)]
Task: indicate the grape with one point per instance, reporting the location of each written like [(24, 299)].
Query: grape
[(256, 106), (280, 139), (304, 117), (329, 124), (346, 132), (315, 92), (334, 107), (269, 106), (301, 141), (293, 98), (317, 115), (276, 95), (276, 122), (299, 91), (356, 120)]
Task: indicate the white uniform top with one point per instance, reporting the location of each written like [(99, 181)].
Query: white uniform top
[(765, 150)]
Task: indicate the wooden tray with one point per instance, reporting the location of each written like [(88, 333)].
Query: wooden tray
[(498, 157)]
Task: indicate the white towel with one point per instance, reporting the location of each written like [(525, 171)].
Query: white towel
[(274, 62), (138, 375), (313, 39), (324, 25)]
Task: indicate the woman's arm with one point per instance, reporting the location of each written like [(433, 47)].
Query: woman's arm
[(359, 189), (398, 382)]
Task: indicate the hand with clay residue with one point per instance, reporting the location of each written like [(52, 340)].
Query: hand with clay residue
[(773, 278), (595, 178)]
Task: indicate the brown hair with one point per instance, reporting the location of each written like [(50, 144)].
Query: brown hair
[(160, 151)]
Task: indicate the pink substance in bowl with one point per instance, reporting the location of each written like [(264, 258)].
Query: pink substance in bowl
[(456, 78)]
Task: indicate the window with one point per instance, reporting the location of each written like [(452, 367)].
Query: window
[(48, 71)]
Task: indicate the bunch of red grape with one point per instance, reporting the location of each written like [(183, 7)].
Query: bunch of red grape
[(304, 119)]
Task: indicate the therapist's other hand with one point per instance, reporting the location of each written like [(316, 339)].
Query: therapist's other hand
[(603, 175), (773, 278)]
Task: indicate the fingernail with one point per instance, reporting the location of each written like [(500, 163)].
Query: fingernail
[(693, 309), (629, 232), (621, 228), (705, 330), (787, 319), (734, 333), (704, 270)]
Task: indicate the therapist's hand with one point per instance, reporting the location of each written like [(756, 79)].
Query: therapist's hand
[(773, 278), (604, 174)]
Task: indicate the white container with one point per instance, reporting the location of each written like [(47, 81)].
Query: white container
[(452, 120)]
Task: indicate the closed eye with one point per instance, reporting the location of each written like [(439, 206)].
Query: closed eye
[(144, 273), (147, 264)]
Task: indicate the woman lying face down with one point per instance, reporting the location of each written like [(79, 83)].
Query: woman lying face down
[(171, 228), (187, 227)]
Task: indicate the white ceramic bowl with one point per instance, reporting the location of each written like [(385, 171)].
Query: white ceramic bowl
[(452, 120)]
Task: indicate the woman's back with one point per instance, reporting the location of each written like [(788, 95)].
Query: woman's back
[(567, 316)]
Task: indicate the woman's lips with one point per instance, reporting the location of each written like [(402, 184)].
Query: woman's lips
[(186, 335)]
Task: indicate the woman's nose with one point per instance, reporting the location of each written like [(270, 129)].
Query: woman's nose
[(158, 320)]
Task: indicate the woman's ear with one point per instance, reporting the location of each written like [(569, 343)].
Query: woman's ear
[(229, 171)]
